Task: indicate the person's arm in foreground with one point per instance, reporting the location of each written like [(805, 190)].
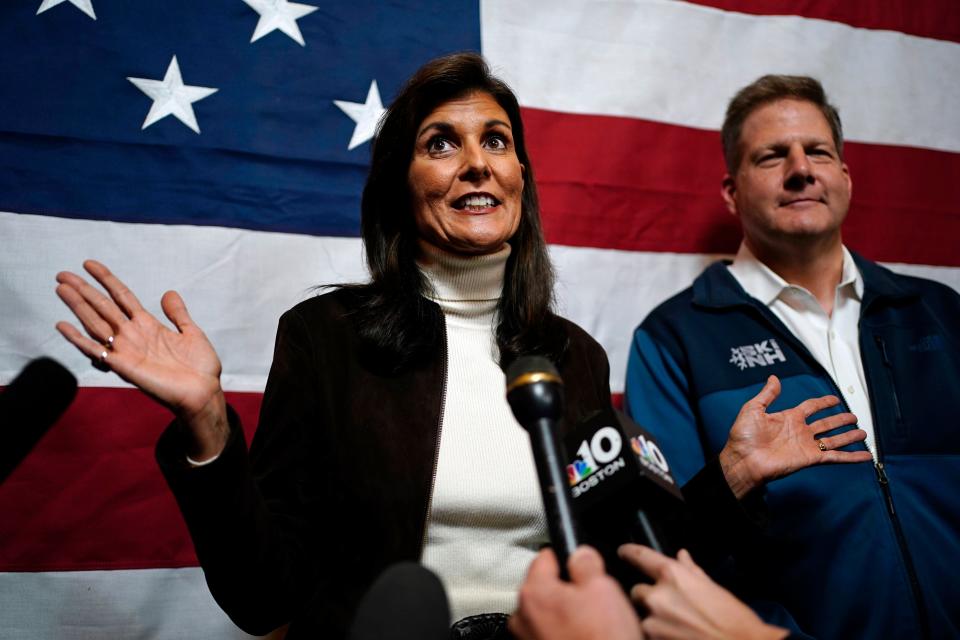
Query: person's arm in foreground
[(685, 603), (589, 607)]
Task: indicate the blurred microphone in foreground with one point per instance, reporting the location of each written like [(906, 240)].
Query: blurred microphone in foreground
[(29, 406), (407, 602)]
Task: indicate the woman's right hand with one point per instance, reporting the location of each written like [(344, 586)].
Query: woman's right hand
[(178, 368)]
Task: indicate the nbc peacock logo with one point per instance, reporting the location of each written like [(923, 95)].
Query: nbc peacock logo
[(579, 470), (650, 456)]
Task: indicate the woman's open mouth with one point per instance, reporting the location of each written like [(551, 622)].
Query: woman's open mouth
[(475, 202)]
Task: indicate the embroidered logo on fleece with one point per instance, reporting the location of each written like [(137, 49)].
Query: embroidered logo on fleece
[(929, 343), (760, 354)]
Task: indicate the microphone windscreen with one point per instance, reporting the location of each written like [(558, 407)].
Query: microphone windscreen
[(29, 406), (534, 390), (529, 364), (407, 602)]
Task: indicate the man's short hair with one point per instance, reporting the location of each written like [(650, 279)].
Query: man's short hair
[(765, 90)]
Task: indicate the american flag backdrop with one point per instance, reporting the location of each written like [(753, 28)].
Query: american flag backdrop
[(219, 148)]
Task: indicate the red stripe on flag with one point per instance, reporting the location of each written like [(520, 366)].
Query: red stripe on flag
[(648, 186), (91, 496), (929, 19), (617, 400)]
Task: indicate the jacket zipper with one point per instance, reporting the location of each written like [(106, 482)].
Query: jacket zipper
[(884, 481), (436, 454), (899, 430), (881, 473), (905, 552)]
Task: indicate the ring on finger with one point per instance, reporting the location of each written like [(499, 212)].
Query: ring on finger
[(821, 445), (100, 362), (109, 343)]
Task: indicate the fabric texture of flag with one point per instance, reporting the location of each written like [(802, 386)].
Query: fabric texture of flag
[(219, 149)]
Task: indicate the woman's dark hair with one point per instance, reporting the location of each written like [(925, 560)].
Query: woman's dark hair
[(393, 316)]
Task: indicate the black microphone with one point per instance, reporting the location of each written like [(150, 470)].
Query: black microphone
[(535, 394), (29, 407), (623, 491), (407, 602)]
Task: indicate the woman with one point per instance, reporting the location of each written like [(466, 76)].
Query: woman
[(384, 433)]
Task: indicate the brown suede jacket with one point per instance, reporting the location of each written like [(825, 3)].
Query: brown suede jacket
[(337, 483)]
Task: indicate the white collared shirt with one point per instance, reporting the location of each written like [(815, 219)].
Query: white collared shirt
[(833, 340)]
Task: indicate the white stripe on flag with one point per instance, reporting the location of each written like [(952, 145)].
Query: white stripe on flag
[(609, 292), (81, 605), (237, 283), (680, 63)]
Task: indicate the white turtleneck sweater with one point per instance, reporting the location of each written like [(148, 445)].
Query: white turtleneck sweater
[(486, 518)]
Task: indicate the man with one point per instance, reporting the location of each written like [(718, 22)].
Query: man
[(851, 550)]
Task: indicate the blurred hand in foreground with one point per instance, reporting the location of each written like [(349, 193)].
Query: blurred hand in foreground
[(685, 603), (589, 607)]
